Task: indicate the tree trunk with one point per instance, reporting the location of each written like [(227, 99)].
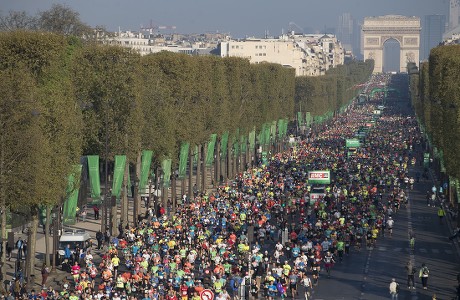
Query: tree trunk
[(205, 168), (31, 247), (173, 192), (124, 196), (114, 215), (198, 169), (47, 236), (3, 208), (190, 173), (217, 168), (137, 196), (182, 188), (4, 237), (229, 162)]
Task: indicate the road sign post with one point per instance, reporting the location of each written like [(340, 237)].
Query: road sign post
[(207, 294)]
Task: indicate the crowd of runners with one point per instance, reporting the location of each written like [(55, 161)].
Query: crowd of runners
[(263, 236)]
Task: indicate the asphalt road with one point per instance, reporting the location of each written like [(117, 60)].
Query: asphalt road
[(367, 274)]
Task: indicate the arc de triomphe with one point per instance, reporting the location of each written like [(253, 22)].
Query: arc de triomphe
[(377, 30)]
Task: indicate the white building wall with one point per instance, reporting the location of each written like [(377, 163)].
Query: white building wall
[(309, 56)]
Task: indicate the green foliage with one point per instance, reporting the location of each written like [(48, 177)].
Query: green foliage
[(325, 94), (437, 102), (38, 110), (106, 83)]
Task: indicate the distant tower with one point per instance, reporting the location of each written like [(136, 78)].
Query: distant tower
[(432, 29), (454, 14), (345, 31)]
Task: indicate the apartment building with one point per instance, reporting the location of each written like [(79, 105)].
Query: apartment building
[(309, 55)]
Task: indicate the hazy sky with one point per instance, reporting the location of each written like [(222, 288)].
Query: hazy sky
[(240, 18)]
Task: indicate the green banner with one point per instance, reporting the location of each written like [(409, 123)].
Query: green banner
[(118, 172), (267, 134), (308, 118), (285, 127), (252, 140), (166, 167), (145, 170), (280, 128), (299, 118), (183, 158), (243, 143), (223, 145), (94, 180), (42, 214), (210, 150), (70, 203)]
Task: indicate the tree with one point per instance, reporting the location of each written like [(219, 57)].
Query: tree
[(55, 128), (15, 20), (106, 83), (62, 19)]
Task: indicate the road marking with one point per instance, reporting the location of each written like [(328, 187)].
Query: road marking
[(422, 250), (436, 251), (448, 251), (382, 248)]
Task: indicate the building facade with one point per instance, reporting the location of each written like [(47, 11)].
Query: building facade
[(433, 27), (309, 55)]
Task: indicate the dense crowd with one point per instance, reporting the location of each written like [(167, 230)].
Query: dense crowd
[(263, 235)]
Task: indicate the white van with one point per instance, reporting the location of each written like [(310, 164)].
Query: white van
[(73, 238)]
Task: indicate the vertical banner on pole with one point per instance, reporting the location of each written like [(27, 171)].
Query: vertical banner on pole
[(223, 145), (267, 129), (118, 172), (299, 118), (166, 167), (252, 140), (94, 180), (308, 118), (210, 150), (70, 203), (146, 161), (183, 158), (280, 128), (243, 143)]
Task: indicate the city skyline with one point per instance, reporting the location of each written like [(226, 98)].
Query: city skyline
[(238, 18)]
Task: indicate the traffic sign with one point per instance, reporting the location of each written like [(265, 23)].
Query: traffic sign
[(206, 294)]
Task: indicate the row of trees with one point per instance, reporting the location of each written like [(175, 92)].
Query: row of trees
[(435, 92), (321, 95), (62, 98)]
